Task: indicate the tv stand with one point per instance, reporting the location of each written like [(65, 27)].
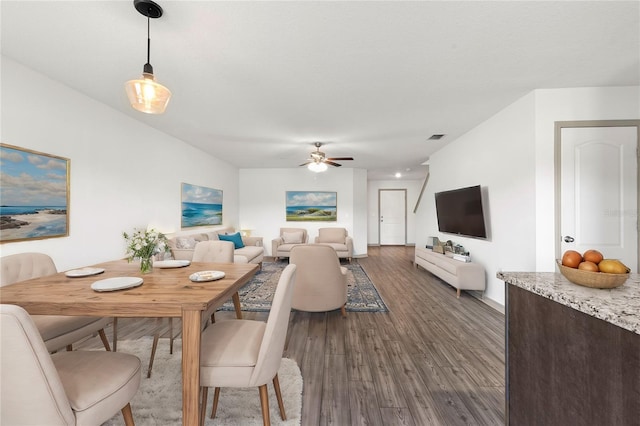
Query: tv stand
[(460, 275)]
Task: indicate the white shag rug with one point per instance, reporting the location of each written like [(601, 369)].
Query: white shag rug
[(159, 399)]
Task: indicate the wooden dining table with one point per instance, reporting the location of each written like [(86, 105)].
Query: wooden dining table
[(166, 292)]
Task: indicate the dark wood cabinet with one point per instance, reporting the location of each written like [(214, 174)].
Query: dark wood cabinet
[(565, 367)]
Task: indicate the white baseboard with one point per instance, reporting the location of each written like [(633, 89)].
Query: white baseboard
[(487, 301)]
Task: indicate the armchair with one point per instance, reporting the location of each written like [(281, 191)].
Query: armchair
[(321, 283), (338, 239), (288, 239)]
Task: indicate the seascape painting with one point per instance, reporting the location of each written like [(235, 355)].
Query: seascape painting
[(311, 206), (201, 206), (34, 195)]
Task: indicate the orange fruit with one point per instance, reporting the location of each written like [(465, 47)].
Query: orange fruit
[(587, 265), (571, 258), (593, 256)]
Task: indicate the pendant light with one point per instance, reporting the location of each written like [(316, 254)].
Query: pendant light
[(146, 94)]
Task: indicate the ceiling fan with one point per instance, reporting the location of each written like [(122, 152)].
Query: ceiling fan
[(318, 161)]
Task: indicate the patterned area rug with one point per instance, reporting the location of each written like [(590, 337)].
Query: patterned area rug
[(257, 294)]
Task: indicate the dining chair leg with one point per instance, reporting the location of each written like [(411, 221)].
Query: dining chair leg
[(343, 309), (213, 318), (276, 387), (171, 336), (115, 334), (236, 305), (203, 403), (105, 341), (216, 397), (264, 403), (156, 336), (128, 416), (69, 348)]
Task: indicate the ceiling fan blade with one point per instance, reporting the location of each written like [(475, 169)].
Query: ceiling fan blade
[(332, 163), (306, 162), (341, 158)]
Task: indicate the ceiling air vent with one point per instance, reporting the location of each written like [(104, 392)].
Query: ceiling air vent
[(435, 137)]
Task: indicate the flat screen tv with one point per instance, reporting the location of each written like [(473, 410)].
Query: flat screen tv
[(460, 212)]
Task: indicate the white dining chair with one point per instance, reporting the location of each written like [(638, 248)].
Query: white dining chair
[(57, 331), (204, 251), (217, 252), (246, 353), (65, 388)]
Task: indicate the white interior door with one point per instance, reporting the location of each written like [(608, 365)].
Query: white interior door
[(599, 191), (393, 216)]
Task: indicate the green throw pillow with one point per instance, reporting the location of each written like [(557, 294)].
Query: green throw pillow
[(236, 239)]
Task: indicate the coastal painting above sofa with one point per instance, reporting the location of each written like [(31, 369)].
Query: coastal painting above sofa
[(311, 206), (201, 206), (34, 189)]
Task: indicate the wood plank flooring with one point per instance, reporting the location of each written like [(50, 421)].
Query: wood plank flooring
[(432, 360)]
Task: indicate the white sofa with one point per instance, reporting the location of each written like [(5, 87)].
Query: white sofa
[(182, 245), (461, 275)]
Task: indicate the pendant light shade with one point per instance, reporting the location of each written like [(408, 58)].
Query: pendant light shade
[(317, 166), (145, 94)]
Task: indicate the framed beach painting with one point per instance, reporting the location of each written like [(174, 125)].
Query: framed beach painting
[(311, 206), (34, 195), (201, 206)]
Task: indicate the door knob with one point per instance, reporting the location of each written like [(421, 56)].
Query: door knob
[(568, 239)]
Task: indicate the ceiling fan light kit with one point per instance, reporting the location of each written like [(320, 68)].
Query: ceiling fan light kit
[(318, 162), (145, 94), (317, 167)]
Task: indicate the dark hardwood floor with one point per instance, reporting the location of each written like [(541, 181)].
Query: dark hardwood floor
[(432, 360)]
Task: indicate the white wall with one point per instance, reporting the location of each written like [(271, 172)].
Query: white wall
[(591, 103), (511, 157), (124, 174), (499, 156), (413, 191), (262, 201)]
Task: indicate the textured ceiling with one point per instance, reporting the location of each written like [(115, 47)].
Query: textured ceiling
[(256, 83)]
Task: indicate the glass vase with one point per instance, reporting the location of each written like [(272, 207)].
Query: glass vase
[(146, 264)]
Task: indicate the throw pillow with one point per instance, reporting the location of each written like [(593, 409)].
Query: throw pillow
[(186, 243), (292, 237), (236, 239)]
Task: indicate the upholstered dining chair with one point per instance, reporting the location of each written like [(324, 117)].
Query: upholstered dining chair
[(245, 353), (204, 251), (321, 283), (65, 388), (58, 331), (218, 252)]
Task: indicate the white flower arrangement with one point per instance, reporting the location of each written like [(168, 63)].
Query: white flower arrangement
[(143, 244)]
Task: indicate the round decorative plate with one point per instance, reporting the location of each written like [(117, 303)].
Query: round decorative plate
[(116, 283), (84, 272), (203, 276), (171, 263)]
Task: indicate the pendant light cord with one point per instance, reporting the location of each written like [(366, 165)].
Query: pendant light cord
[(148, 69), (148, 40)]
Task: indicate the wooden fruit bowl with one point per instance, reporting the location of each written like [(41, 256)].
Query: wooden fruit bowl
[(592, 279)]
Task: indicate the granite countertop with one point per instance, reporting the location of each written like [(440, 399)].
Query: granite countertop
[(619, 306)]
